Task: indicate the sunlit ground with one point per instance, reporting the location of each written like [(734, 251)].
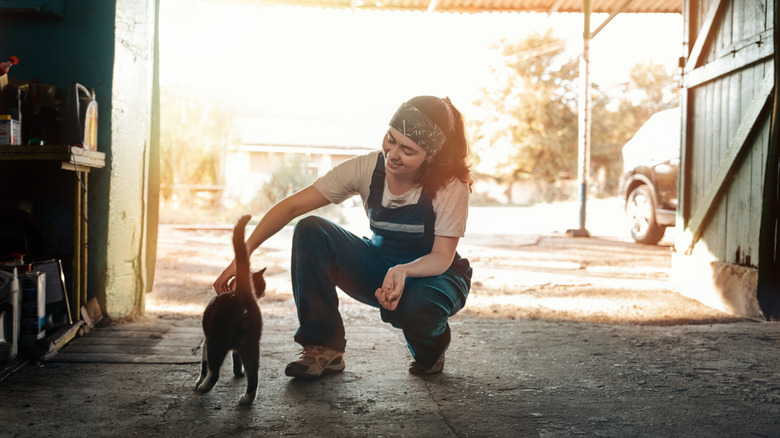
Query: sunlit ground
[(524, 267)]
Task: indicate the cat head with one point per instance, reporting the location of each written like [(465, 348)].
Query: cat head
[(258, 283)]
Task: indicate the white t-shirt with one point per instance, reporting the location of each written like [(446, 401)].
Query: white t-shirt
[(352, 177)]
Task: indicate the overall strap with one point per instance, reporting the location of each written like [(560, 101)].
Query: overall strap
[(426, 196), (378, 176), (377, 186)]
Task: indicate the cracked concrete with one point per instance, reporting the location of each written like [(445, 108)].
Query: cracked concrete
[(503, 378), (560, 338)]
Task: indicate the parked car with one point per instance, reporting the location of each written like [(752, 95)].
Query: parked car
[(651, 160)]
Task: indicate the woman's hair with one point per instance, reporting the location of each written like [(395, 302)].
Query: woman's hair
[(451, 161)]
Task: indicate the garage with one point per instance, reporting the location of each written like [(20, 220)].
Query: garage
[(726, 257)]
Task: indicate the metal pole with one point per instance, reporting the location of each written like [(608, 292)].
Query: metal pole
[(83, 240), (583, 124), (77, 248)]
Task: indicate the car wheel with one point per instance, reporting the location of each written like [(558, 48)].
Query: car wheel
[(640, 210)]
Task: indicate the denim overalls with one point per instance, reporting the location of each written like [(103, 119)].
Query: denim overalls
[(325, 255)]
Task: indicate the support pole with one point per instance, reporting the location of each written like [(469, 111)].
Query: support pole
[(583, 124), (84, 262), (77, 249)]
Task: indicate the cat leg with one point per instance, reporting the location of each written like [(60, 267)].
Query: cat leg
[(238, 370), (250, 356), (216, 355), (204, 366)]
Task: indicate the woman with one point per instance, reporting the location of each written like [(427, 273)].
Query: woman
[(415, 192)]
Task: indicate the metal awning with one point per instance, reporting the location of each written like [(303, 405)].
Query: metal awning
[(548, 6)]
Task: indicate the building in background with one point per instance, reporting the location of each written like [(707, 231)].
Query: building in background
[(265, 144)]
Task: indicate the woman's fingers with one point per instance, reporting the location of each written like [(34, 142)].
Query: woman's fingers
[(388, 298), (224, 283)]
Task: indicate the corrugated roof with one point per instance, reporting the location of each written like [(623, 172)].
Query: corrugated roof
[(607, 6)]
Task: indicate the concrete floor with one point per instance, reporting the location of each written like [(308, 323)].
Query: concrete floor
[(503, 378), (511, 371)]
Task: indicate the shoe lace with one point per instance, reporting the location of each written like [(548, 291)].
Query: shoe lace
[(310, 351)]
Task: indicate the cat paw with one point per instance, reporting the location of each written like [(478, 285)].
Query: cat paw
[(205, 386), (247, 399)]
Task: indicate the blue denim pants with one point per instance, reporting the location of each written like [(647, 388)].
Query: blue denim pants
[(326, 256)]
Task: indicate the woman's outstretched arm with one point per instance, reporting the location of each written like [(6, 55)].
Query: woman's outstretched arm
[(275, 219)]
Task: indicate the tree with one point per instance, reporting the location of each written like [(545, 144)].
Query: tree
[(527, 129), (529, 125), (193, 140), (291, 175), (649, 89)]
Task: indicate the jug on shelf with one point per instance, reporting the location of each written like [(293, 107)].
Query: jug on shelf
[(81, 117)]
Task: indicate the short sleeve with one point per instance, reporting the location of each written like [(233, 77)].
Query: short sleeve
[(347, 179), (451, 206)]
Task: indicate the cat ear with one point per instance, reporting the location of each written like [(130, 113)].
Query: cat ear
[(262, 271)]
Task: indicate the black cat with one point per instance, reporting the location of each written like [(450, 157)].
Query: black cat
[(232, 321)]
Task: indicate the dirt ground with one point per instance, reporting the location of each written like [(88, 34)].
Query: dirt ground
[(604, 279), (560, 337)]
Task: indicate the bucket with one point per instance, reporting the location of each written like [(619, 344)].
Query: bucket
[(9, 315)]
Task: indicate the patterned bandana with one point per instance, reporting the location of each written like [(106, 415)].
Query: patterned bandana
[(414, 124)]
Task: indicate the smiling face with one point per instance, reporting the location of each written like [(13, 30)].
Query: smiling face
[(403, 157)]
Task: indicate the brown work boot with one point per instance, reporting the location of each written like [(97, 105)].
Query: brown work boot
[(315, 361)]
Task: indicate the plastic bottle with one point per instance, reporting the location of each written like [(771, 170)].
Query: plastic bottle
[(9, 314)]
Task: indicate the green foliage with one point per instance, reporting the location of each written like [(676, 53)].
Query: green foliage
[(528, 128), (648, 90), (194, 135), (294, 174)]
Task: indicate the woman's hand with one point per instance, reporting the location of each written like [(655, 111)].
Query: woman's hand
[(272, 221), (429, 265), (392, 288), (223, 283)]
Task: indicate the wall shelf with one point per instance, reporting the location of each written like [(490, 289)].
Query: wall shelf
[(65, 153), (41, 7)]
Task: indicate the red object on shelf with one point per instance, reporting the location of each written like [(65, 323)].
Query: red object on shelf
[(6, 65)]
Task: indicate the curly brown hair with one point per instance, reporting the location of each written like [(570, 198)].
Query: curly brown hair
[(452, 160)]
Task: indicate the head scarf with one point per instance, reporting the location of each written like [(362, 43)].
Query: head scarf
[(414, 124)]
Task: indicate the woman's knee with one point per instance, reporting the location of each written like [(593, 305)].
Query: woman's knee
[(425, 306), (309, 224), (308, 229)]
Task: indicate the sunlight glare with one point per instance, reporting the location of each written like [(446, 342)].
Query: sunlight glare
[(333, 63)]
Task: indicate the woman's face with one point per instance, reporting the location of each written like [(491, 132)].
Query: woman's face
[(403, 157)]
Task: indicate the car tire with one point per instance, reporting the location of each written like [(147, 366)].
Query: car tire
[(640, 211)]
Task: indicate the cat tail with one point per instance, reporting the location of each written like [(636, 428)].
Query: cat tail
[(243, 283)]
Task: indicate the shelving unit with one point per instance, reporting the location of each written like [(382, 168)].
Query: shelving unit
[(81, 161)]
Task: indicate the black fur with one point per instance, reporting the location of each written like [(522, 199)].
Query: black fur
[(232, 321)]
